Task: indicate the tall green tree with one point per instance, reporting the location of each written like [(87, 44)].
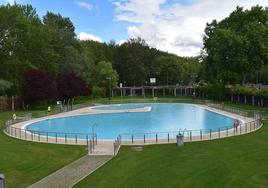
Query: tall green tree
[(101, 72), (236, 46), (169, 70)]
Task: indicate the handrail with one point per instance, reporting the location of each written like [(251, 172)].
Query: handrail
[(46, 136), (191, 135)]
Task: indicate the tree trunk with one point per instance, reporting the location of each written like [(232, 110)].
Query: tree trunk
[(12, 103), (245, 99), (244, 80)]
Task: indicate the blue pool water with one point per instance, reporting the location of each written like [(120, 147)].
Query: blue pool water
[(162, 118)]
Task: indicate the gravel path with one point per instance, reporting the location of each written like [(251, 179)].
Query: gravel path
[(72, 173)]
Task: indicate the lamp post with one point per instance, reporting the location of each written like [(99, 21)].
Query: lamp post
[(110, 86)]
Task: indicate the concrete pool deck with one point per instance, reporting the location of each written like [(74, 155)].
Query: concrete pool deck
[(106, 147)]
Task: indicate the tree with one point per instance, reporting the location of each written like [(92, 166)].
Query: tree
[(132, 61), (4, 86), (169, 70), (70, 86), (25, 44), (101, 72), (39, 85), (236, 46)]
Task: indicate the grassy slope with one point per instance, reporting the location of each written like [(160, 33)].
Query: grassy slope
[(232, 162), (24, 163)]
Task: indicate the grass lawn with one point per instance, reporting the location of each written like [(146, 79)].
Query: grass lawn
[(24, 163), (228, 162), (240, 161)]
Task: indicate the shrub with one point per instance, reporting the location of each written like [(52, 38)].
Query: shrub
[(39, 85), (98, 92), (244, 90), (70, 86), (214, 91)]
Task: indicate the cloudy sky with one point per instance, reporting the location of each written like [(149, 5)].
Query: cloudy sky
[(175, 26)]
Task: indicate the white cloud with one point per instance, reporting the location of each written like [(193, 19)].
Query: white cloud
[(174, 27), (11, 2), (84, 5), (121, 42), (88, 36)]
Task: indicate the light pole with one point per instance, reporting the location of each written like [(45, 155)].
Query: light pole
[(110, 86)]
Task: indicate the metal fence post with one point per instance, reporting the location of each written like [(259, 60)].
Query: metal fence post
[(210, 134), (227, 131), (75, 138), (235, 129), (38, 136), (114, 147), (201, 135), (156, 139), (90, 146), (65, 138), (87, 140), (144, 138), (219, 132), (190, 135), (47, 136), (132, 138), (168, 137), (56, 138)]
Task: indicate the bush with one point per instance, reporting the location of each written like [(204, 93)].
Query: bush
[(214, 91), (98, 92), (262, 93), (39, 85), (70, 86), (244, 90)]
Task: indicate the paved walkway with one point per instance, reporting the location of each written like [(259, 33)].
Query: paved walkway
[(72, 173), (103, 148)]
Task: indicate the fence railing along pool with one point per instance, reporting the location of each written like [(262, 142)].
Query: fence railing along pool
[(189, 135), (90, 139)]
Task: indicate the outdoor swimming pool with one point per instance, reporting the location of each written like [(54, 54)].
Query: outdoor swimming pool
[(161, 118)]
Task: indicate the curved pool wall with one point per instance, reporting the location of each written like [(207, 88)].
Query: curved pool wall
[(162, 118)]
